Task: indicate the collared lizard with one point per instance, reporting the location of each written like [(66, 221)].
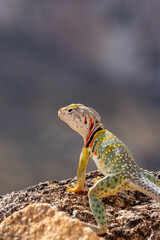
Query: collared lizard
[(113, 159)]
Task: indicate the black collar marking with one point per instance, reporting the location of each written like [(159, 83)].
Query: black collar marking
[(92, 135)]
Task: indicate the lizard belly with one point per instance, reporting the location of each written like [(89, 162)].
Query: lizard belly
[(101, 166)]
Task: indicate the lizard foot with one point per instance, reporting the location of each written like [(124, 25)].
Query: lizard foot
[(96, 229), (95, 180), (75, 188)]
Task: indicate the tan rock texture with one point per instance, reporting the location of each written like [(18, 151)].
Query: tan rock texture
[(41, 221), (130, 215)]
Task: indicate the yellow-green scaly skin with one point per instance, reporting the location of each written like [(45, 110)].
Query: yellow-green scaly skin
[(112, 158)]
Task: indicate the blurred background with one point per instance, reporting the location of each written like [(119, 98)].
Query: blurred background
[(104, 54)]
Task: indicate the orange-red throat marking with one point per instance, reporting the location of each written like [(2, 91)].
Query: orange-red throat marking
[(92, 133), (91, 124)]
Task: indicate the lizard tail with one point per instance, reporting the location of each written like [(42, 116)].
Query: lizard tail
[(144, 185)]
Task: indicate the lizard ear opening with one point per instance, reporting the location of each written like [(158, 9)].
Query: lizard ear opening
[(97, 117), (85, 120)]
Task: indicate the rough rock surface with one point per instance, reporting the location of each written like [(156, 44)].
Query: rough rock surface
[(41, 221), (131, 215)]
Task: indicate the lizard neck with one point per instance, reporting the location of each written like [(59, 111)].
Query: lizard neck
[(92, 131)]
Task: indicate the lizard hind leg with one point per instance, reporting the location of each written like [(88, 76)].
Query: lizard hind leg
[(146, 186), (108, 185), (152, 178)]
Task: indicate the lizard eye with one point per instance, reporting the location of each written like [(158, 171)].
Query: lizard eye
[(70, 110)]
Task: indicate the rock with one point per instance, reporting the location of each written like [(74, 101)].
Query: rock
[(130, 215), (40, 221)]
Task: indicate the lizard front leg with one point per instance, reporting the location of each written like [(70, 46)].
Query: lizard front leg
[(81, 173)]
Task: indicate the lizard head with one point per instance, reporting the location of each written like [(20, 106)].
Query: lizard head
[(80, 118)]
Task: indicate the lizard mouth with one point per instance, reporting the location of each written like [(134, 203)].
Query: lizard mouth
[(59, 113), (62, 114)]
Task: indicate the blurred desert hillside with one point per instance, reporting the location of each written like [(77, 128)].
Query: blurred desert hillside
[(104, 54)]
